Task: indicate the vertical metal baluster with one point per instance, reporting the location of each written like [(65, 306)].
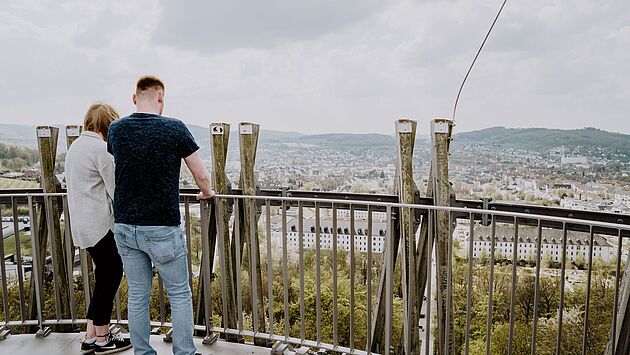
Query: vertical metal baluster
[(429, 292), (469, 291), (588, 290), (224, 265), (188, 241), (536, 287), (317, 275), (270, 263), (514, 283), (237, 262), (490, 285), (70, 250), (206, 267), (449, 287), (562, 273), (404, 260), (53, 248), (285, 270), (253, 262), (617, 279), (352, 262), (3, 274), (335, 235), (412, 250), (161, 299), (117, 303), (35, 266), (18, 255), (301, 256), (369, 281), (84, 276), (389, 280)]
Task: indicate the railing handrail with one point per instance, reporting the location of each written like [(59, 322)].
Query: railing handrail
[(464, 210)]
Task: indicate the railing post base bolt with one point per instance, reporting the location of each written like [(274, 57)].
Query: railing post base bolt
[(42, 333), (210, 339)]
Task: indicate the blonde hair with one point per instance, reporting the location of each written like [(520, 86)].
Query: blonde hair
[(98, 118)]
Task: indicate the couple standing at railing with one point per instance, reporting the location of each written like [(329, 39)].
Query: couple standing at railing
[(133, 164)]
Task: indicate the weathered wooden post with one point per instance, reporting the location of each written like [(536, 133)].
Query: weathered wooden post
[(440, 136), (424, 254), (219, 136), (72, 133), (87, 269), (248, 133), (47, 138), (406, 134), (405, 186)]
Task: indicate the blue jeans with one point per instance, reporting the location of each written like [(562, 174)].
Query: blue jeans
[(165, 248)]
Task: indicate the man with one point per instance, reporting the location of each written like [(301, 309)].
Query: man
[(147, 150)]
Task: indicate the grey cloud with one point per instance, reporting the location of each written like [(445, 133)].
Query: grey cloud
[(221, 25)]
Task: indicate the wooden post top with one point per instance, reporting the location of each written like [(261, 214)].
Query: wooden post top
[(245, 123), (73, 130), (442, 119), (441, 126), (46, 131), (405, 125), (219, 128)]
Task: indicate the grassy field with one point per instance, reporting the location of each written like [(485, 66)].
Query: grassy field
[(17, 184), (25, 244)]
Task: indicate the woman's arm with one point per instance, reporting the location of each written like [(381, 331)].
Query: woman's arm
[(106, 168)]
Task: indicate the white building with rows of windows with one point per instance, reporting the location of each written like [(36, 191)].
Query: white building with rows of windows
[(362, 239), (577, 245)]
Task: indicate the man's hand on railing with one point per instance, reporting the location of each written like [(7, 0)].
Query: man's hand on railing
[(202, 196)]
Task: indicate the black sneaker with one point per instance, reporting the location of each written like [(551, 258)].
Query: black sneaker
[(114, 345), (87, 348)]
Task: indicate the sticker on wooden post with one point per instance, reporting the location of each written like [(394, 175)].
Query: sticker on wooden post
[(216, 128), (43, 132), (73, 131), (404, 127), (440, 127), (246, 129)]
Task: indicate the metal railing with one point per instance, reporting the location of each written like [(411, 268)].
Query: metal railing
[(359, 277)]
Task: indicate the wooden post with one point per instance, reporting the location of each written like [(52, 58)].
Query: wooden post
[(219, 137), (440, 136), (406, 132), (47, 138), (423, 254), (87, 268), (248, 133)]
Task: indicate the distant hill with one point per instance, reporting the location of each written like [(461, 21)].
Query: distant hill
[(544, 138), (524, 138), (18, 135)]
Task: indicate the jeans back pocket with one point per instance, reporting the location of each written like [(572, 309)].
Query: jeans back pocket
[(163, 244)]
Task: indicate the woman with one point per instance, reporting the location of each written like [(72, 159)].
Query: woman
[(90, 183)]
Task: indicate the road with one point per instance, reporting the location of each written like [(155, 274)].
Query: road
[(7, 228)]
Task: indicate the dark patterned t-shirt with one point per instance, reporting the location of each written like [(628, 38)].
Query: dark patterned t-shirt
[(148, 150)]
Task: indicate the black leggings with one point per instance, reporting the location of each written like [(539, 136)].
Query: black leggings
[(107, 274)]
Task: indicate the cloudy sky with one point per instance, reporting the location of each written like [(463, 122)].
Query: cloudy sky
[(322, 65)]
